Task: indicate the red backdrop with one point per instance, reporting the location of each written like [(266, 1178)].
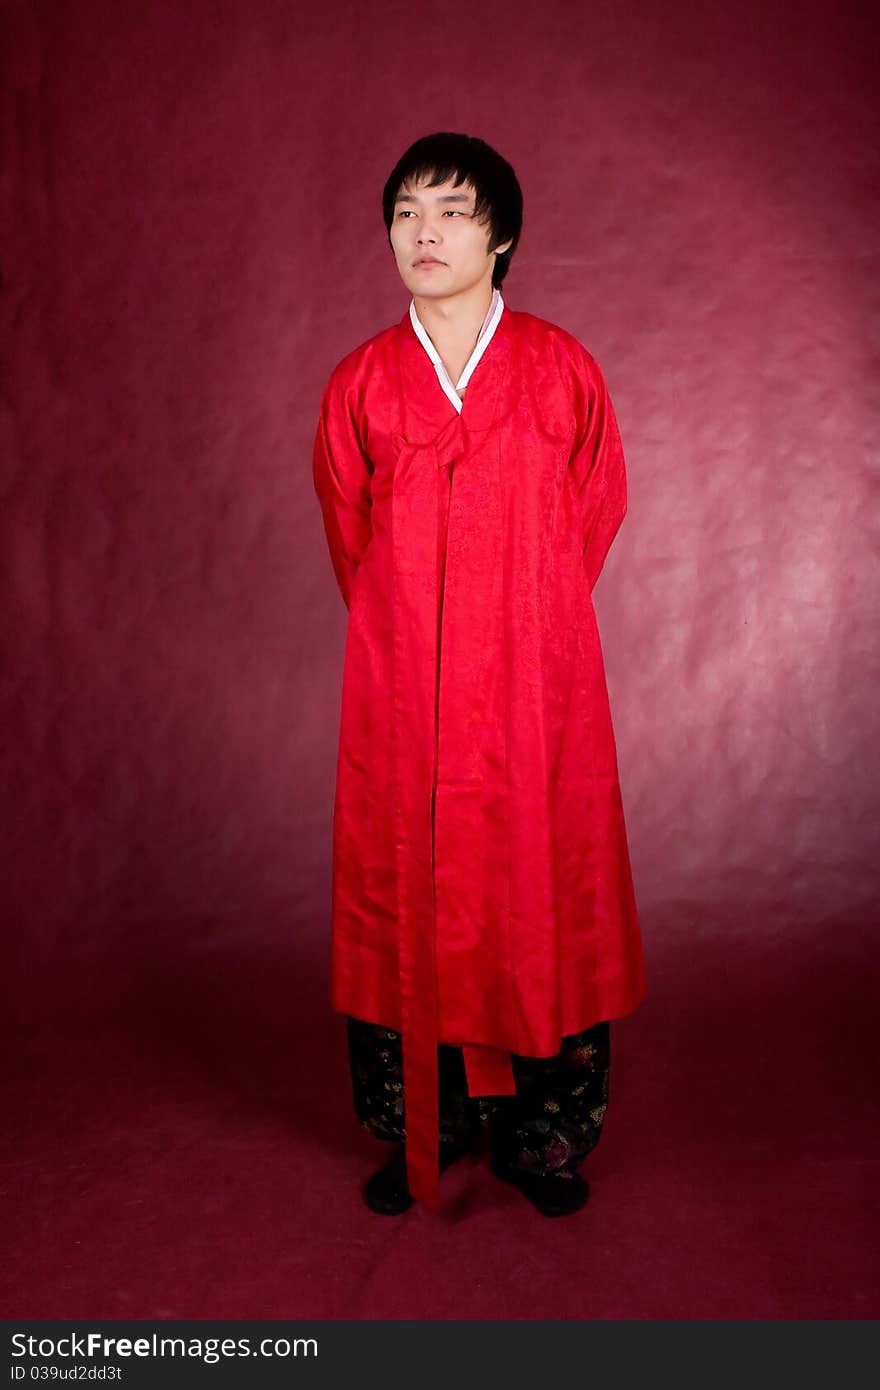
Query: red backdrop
[(193, 239)]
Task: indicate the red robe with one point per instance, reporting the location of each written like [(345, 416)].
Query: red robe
[(481, 891)]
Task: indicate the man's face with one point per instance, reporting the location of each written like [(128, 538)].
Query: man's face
[(440, 248)]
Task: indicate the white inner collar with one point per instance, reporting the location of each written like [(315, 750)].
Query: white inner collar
[(490, 323)]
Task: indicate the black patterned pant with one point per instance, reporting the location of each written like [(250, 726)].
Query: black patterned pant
[(551, 1124)]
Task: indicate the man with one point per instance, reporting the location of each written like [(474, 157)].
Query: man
[(471, 478)]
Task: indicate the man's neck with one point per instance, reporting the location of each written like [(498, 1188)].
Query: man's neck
[(451, 322)]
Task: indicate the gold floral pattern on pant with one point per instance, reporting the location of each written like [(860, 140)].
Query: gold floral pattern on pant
[(549, 1126)]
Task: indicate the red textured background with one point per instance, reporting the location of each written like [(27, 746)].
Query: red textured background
[(192, 239)]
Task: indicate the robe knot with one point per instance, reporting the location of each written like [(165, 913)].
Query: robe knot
[(446, 446)]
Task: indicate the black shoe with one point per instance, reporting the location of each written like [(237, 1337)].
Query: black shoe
[(556, 1194), (387, 1191)]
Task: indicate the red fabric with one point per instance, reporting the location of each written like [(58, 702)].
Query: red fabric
[(482, 892)]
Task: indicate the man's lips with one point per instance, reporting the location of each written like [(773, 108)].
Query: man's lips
[(428, 260)]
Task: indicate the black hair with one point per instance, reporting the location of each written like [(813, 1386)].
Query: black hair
[(464, 159)]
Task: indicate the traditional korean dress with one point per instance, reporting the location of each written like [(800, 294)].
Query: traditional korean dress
[(482, 893)]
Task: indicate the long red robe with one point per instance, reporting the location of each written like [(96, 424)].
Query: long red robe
[(481, 892)]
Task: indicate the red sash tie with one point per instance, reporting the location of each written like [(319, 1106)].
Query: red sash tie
[(420, 512)]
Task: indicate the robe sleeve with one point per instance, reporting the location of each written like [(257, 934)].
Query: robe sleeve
[(596, 465), (342, 472)]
